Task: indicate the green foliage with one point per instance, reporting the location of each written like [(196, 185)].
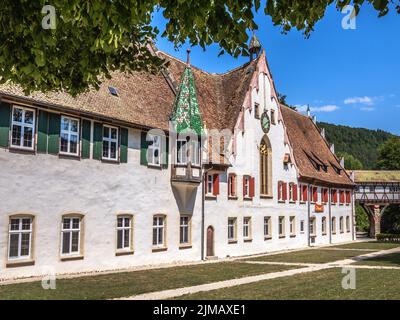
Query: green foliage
[(362, 221), (389, 155), (350, 162), (362, 144), (390, 222), (94, 38), (388, 237)]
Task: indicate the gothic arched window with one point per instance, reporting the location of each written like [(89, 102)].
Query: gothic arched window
[(265, 167)]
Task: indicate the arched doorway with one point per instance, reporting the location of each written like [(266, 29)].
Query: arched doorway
[(210, 241)]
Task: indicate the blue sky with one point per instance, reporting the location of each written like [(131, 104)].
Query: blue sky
[(349, 77)]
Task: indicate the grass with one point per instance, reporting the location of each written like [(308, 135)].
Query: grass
[(373, 245), (324, 285), (390, 260), (311, 256), (136, 282)]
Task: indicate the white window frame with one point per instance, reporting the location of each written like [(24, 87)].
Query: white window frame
[(210, 184), (125, 229), (20, 231), (341, 224), (313, 224), (71, 230), (160, 226), (323, 225), (232, 227), (109, 140), (301, 226), (246, 186), (333, 225), (232, 184), (247, 228), (281, 226), (194, 156), (292, 225), (70, 133), (152, 148), (291, 192), (267, 228), (181, 152), (23, 125), (185, 229)]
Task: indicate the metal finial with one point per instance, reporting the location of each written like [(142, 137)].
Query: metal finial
[(188, 57)]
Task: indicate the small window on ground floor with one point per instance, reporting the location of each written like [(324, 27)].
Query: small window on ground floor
[(185, 230), (159, 231), (20, 237), (348, 224), (301, 226), (71, 235), (323, 226), (267, 228), (282, 227), (247, 228), (232, 227), (313, 226), (333, 226), (292, 225), (124, 233), (341, 225)]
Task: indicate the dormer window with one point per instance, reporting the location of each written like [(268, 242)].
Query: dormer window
[(113, 91), (188, 150), (181, 151)]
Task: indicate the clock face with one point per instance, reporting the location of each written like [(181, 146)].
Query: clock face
[(265, 122)]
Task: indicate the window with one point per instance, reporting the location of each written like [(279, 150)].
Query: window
[(159, 231), (265, 167), (323, 226), (333, 226), (267, 228), (20, 238), (232, 186), (110, 143), (256, 111), (302, 226), (341, 226), (315, 194), (247, 228), (154, 150), (292, 192), (124, 233), (210, 184), (273, 121), (69, 135), (325, 197), (334, 196), (341, 197), (246, 186), (70, 235), (281, 227), (348, 197), (181, 151), (282, 191), (184, 230), (312, 226), (231, 229), (303, 193), (348, 224), (292, 226), (23, 128), (195, 152)]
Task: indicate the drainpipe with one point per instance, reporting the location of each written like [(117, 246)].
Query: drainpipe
[(309, 216), (330, 215), (353, 227), (203, 197)]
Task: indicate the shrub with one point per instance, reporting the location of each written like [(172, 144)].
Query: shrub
[(388, 237)]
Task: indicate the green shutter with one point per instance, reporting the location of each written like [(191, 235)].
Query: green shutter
[(143, 148), (43, 127), (5, 112), (54, 133), (124, 146), (165, 154), (86, 126), (97, 141)]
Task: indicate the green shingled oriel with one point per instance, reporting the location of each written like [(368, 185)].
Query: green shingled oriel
[(186, 115)]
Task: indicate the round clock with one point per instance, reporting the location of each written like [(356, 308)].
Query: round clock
[(265, 122)]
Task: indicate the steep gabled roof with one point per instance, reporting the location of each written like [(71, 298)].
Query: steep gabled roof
[(147, 100), (314, 160)]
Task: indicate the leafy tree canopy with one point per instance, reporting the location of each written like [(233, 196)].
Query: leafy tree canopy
[(93, 38), (350, 162), (389, 155)]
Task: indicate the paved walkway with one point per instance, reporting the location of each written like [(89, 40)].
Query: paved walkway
[(167, 294)]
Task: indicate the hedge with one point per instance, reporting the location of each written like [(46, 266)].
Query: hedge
[(388, 237)]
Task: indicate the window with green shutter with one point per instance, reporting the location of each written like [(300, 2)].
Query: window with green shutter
[(5, 114), (124, 145), (97, 141), (43, 129), (86, 126)]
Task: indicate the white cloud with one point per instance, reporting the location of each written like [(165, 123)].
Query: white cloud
[(368, 109), (369, 101), (327, 108)]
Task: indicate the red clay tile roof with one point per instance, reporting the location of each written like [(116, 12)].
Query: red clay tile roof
[(315, 162), (147, 100)]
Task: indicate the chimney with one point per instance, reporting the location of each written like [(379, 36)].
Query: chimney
[(308, 111), (332, 148), (342, 162), (314, 119)]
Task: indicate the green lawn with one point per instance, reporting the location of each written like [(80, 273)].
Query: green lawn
[(136, 282), (325, 284), (390, 260), (373, 245), (311, 256)]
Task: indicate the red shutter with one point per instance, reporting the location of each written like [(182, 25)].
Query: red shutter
[(216, 185), (305, 193), (315, 194), (279, 190), (284, 193), (348, 197), (334, 196), (325, 195), (341, 196), (244, 186), (251, 189), (294, 192)]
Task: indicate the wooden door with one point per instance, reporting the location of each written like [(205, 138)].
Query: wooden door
[(210, 241)]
